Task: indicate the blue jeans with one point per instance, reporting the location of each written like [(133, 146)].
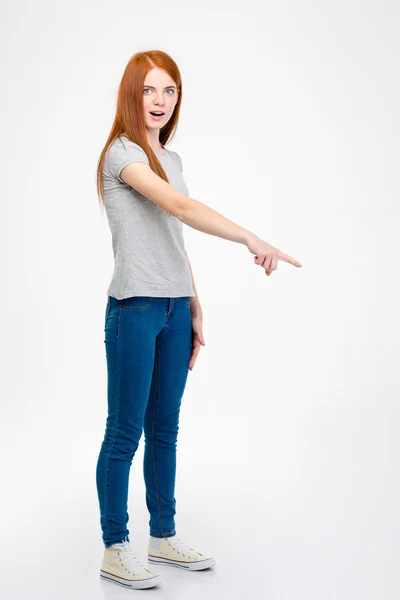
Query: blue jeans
[(148, 344)]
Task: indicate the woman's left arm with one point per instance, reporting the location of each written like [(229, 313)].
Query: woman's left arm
[(194, 300), (197, 323)]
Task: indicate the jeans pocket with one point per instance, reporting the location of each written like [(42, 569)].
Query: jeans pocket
[(186, 300), (136, 302)]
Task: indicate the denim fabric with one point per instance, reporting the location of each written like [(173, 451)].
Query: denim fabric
[(148, 347)]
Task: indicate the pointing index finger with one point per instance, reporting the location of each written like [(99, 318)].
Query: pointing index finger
[(289, 259)]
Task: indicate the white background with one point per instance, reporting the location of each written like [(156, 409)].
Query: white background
[(288, 453)]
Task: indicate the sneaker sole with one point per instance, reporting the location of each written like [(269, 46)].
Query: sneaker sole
[(138, 584), (197, 565)]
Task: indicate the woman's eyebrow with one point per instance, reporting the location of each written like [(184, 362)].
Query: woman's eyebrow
[(152, 86)]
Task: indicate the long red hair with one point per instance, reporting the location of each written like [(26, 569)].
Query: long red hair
[(129, 119)]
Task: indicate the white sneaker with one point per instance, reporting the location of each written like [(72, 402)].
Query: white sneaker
[(175, 553), (120, 565)]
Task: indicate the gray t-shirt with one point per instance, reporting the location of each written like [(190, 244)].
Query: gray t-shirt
[(148, 243)]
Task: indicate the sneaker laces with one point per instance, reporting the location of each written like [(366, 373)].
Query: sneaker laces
[(129, 559), (180, 546)]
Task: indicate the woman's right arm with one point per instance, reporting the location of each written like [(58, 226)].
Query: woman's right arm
[(199, 216)]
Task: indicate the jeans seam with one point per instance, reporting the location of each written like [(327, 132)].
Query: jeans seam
[(117, 421), (171, 313), (108, 307), (154, 445)]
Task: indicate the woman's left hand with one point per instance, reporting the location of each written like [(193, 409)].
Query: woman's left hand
[(197, 336)]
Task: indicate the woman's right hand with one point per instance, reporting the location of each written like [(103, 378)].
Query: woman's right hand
[(267, 256)]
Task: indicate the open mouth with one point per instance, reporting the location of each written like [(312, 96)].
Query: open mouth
[(157, 113)]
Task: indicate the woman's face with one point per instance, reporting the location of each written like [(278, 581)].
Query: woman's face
[(159, 94)]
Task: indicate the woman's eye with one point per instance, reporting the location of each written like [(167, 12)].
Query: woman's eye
[(145, 89)]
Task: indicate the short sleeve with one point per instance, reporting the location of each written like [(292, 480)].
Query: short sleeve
[(122, 153), (179, 160)]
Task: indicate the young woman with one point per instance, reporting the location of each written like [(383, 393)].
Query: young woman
[(153, 317)]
